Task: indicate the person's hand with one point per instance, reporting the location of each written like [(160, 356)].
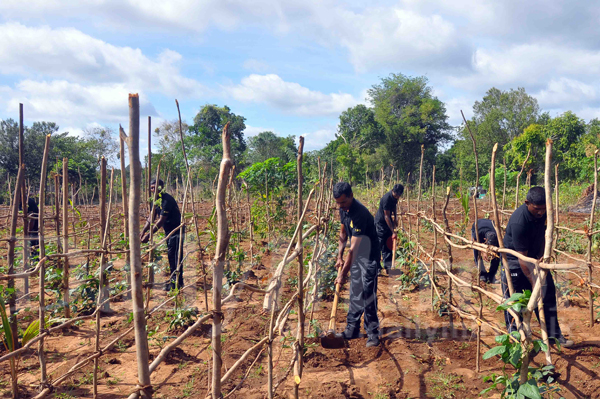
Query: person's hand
[(339, 279), (339, 264), (145, 238), (394, 236)]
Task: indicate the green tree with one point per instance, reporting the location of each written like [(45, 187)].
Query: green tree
[(358, 136), (410, 116), (267, 145), (204, 140)]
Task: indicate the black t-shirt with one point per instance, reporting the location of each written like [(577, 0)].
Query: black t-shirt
[(386, 203), (169, 208), (359, 222), (32, 209), (484, 226), (524, 233)]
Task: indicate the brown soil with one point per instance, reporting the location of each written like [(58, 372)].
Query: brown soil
[(421, 355)]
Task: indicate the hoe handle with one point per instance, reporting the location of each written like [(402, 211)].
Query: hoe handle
[(394, 252), (334, 307)]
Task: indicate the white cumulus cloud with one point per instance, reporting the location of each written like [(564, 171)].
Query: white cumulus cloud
[(289, 96)]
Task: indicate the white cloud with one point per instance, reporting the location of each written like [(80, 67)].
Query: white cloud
[(318, 139), (565, 91), (71, 54), (289, 97), (73, 104)]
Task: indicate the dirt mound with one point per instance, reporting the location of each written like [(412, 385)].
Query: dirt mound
[(584, 205)]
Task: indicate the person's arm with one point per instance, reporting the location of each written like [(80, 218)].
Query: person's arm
[(527, 268), (390, 223), (343, 238), (161, 221), (343, 272)]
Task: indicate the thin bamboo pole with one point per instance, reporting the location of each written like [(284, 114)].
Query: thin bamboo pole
[(450, 258), (434, 237)]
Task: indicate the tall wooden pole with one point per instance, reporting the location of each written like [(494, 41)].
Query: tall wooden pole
[(135, 177), (23, 191), (590, 240), (42, 302), (219, 261), (300, 336), (65, 228), (125, 205)]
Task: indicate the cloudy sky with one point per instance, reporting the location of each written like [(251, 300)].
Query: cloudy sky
[(287, 66)]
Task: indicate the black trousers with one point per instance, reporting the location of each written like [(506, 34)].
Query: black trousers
[(386, 253), (520, 284), (363, 295), (494, 263), (174, 259)]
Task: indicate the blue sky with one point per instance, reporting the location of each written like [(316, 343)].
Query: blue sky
[(287, 66)]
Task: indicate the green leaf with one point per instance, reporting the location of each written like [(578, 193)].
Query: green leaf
[(8, 338), (31, 332), (503, 339), (515, 355), (497, 350), (530, 390)]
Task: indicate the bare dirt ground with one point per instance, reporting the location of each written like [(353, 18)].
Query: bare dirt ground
[(420, 355)]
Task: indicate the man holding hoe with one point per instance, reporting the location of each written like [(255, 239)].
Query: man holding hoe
[(362, 262), (170, 219), (386, 222), (525, 233)]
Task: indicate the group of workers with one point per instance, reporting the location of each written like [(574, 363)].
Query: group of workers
[(369, 237)]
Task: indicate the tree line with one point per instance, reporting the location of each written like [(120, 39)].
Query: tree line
[(386, 134)]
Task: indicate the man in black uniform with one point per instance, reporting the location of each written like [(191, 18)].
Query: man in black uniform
[(33, 224), (487, 235), (170, 219), (525, 233), (386, 221), (362, 262)]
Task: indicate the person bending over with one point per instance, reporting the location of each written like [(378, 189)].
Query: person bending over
[(487, 235), (525, 233), (386, 222), (169, 218), (362, 262)]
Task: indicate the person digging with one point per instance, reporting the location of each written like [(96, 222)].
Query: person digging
[(169, 218), (525, 233), (362, 262), (487, 235), (386, 222)]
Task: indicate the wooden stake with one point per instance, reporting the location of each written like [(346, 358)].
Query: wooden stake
[(42, 244), (219, 261), (65, 231), (300, 296), (135, 175), (590, 240)]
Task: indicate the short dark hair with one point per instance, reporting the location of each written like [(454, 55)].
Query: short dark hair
[(537, 196), (160, 182), (491, 238), (398, 189), (342, 188)]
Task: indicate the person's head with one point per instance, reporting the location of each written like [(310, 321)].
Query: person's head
[(153, 184), (536, 202), (342, 192), (491, 238), (397, 190)]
